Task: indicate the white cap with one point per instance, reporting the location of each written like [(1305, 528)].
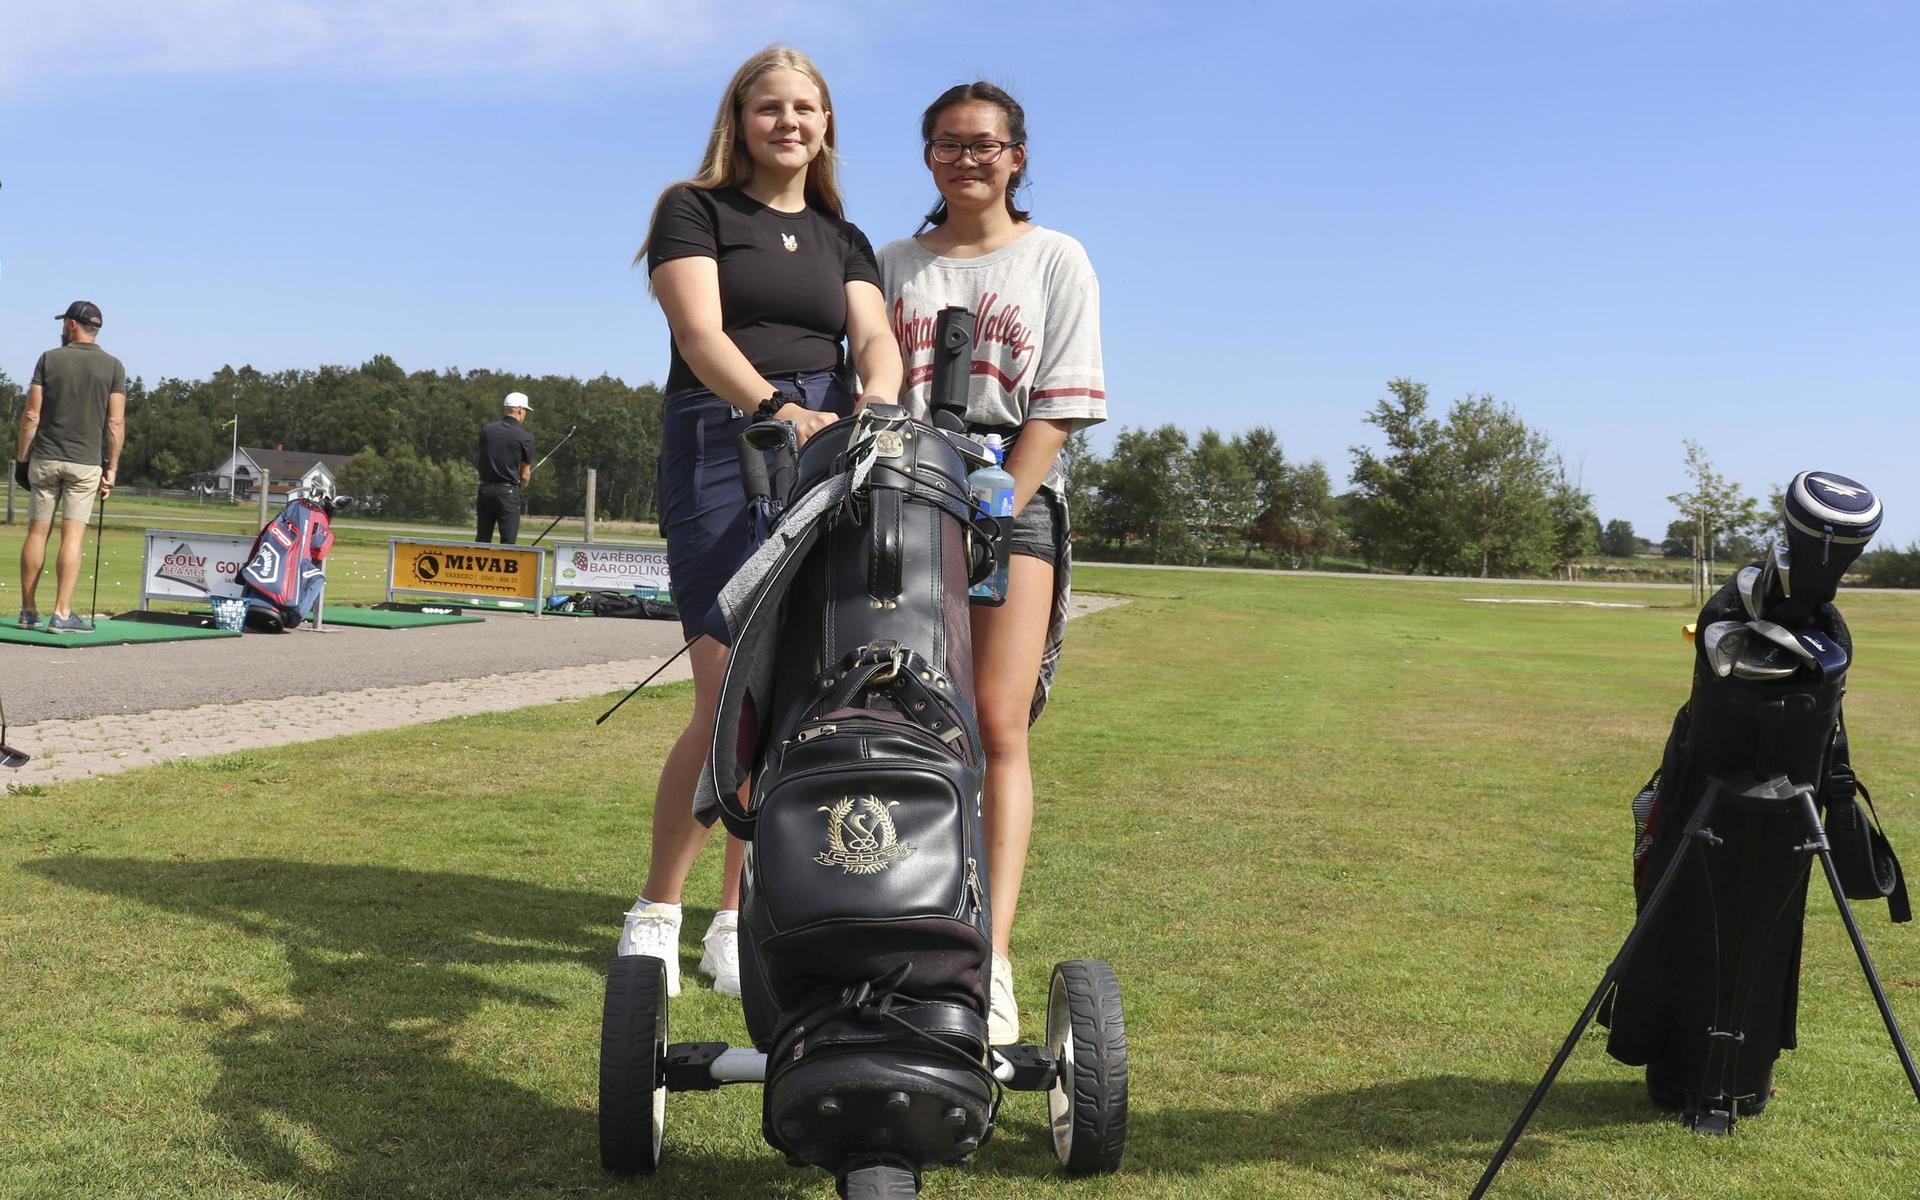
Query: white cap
[(517, 400)]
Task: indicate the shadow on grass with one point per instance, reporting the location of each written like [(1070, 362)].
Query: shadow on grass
[(1440, 1126), (356, 1075)]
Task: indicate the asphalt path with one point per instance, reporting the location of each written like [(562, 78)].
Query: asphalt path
[(52, 682)]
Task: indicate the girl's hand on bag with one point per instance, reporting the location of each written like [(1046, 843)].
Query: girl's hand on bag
[(805, 421)]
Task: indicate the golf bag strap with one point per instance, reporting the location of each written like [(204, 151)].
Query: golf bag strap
[(1862, 856), (1888, 877)]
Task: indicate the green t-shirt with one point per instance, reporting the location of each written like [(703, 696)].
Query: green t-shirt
[(74, 383)]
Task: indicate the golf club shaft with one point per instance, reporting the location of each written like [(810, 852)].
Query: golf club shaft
[(93, 609), (649, 679), (547, 530), (556, 446)]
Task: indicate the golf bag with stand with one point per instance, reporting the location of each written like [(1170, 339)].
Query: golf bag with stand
[(286, 568), (865, 934), (1755, 787), (1709, 999)]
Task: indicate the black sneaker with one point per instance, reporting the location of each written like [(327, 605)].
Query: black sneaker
[(71, 623), (29, 618)]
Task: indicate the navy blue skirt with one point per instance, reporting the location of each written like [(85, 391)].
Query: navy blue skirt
[(703, 505)]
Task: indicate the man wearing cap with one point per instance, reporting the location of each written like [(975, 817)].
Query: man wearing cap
[(505, 463), (78, 397)]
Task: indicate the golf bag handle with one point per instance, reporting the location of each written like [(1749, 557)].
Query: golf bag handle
[(753, 467)]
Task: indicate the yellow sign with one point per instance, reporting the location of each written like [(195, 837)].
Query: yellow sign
[(460, 569)]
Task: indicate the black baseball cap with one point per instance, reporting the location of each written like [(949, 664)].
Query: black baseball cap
[(84, 311)]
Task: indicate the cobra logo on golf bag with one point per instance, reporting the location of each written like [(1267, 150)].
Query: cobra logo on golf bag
[(861, 839)]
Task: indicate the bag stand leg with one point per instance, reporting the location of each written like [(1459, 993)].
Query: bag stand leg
[(1772, 793), (1817, 840), (1695, 831)]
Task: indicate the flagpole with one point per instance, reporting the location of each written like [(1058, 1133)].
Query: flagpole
[(233, 466)]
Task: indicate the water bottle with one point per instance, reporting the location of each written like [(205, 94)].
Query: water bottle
[(991, 490)]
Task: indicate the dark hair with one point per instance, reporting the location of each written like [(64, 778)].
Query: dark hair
[(985, 93)]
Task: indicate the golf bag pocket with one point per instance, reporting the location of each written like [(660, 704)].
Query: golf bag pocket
[(1864, 860), (867, 857)]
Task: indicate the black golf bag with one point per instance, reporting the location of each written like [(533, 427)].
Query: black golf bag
[(1709, 998), (286, 569), (848, 701)]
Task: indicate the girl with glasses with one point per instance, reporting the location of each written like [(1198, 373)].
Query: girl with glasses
[(1036, 378), (771, 294)]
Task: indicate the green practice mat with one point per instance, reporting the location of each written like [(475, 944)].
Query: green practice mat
[(112, 631), (393, 618)]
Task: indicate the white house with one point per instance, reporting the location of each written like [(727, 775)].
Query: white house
[(283, 469)]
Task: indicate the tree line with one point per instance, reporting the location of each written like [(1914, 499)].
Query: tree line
[(1473, 491), (412, 435)]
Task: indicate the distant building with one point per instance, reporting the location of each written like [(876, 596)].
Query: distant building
[(284, 470)]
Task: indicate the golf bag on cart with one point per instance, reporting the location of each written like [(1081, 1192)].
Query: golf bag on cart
[(1708, 1000), (286, 569), (865, 935)]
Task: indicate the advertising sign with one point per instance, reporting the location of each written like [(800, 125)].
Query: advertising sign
[(579, 567), (473, 573), (191, 566)]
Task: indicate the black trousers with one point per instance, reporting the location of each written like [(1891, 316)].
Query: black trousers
[(498, 504)]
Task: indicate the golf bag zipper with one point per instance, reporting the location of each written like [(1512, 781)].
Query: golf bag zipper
[(973, 886)]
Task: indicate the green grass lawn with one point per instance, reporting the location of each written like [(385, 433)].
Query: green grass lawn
[(1358, 851), (356, 567)]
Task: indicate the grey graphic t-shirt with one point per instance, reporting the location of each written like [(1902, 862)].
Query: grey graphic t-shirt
[(1036, 349)]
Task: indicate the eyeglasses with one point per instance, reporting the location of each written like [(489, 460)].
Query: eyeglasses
[(985, 153)]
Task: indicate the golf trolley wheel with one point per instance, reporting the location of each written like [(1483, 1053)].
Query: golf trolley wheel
[(633, 1065), (1087, 1036)]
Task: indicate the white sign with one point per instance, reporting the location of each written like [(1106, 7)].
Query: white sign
[(191, 566), (579, 567)]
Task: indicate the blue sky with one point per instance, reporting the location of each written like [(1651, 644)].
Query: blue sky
[(1635, 222)]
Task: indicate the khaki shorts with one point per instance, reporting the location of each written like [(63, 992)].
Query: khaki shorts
[(52, 480)]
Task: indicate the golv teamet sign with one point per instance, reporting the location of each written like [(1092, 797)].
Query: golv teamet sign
[(191, 566)]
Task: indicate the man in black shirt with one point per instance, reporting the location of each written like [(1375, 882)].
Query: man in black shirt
[(505, 463)]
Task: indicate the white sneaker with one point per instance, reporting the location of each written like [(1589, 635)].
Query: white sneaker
[(1003, 1015), (721, 957), (654, 929)]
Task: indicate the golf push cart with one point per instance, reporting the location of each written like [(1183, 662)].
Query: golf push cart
[(865, 924), (1082, 1068)]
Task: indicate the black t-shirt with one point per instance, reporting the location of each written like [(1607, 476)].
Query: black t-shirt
[(504, 445), (783, 276)]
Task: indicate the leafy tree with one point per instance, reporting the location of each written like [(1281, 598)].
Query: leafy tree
[(1892, 568), (1303, 522), (1404, 494), (1716, 507), (1679, 540), (1502, 508), (1144, 491), (1575, 530), (1221, 502), (1617, 540)]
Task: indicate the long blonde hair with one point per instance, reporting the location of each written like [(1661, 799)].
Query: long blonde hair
[(727, 163)]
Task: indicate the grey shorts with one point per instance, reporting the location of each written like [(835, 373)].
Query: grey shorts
[(1036, 529)]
